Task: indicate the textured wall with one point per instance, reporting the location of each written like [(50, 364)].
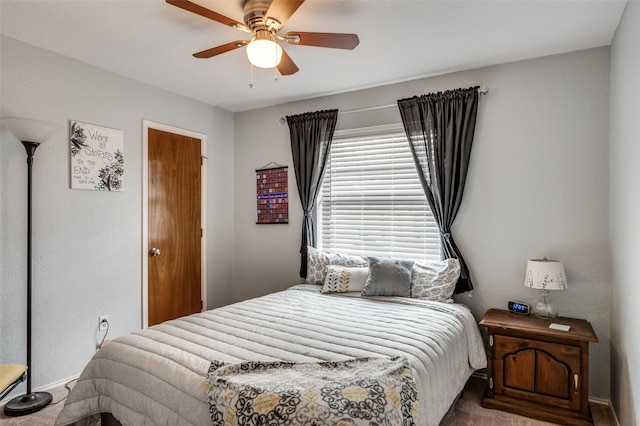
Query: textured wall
[(538, 185), (87, 253), (625, 217)]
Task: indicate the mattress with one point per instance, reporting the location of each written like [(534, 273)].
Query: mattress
[(157, 376)]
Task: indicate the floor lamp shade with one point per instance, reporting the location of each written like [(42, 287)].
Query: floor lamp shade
[(31, 133), (28, 130)]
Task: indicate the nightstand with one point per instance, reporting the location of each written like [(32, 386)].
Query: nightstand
[(537, 371)]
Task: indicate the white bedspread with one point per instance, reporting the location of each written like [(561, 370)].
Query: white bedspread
[(157, 376)]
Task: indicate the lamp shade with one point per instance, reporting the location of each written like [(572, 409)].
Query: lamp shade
[(28, 130), (545, 274), (264, 53)]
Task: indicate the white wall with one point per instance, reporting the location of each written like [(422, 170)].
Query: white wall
[(625, 217), (538, 185), (87, 252)]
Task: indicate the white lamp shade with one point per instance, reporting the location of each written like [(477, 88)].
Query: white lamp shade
[(264, 53), (28, 130), (545, 274)]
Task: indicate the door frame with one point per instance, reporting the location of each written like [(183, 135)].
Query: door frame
[(146, 125)]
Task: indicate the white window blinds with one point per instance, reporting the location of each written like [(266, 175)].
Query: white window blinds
[(371, 200)]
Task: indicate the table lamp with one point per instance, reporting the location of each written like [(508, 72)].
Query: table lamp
[(545, 275)]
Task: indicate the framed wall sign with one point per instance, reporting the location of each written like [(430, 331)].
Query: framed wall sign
[(97, 158), (272, 188)]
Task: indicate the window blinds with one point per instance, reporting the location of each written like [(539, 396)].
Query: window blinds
[(371, 200)]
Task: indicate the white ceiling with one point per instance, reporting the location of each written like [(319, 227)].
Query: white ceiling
[(152, 41)]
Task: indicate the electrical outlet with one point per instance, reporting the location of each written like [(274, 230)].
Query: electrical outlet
[(103, 322)]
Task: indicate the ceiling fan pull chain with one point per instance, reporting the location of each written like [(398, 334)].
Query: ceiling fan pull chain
[(251, 85), (275, 77)]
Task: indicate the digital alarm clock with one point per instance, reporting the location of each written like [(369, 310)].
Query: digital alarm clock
[(519, 307)]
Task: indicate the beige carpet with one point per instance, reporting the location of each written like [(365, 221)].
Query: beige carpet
[(468, 412), (46, 416)]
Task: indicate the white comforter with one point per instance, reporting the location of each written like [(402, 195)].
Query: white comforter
[(157, 376)]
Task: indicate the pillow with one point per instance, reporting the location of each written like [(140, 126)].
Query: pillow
[(388, 277), (318, 261), (342, 280), (435, 280)]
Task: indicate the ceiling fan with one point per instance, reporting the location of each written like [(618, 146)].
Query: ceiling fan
[(264, 19)]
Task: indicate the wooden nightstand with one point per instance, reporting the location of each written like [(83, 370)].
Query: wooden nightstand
[(536, 371)]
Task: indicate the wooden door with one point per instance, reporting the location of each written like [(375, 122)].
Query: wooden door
[(175, 229)]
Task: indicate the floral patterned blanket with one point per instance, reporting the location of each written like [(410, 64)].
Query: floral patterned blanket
[(363, 391)]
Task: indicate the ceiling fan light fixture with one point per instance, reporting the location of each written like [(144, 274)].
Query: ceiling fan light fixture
[(264, 53)]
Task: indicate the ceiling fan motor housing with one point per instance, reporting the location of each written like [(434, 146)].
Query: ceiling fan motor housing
[(254, 13)]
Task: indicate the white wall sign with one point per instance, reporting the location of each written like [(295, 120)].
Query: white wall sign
[(97, 159)]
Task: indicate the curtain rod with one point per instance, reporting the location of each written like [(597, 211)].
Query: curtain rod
[(482, 90)]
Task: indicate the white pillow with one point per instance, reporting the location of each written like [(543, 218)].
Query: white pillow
[(343, 280), (318, 261), (435, 280)]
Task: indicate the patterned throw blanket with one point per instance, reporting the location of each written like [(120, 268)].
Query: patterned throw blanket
[(363, 391)]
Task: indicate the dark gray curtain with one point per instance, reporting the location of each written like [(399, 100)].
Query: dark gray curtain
[(440, 128), (311, 134)]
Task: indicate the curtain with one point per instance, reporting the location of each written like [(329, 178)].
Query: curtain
[(311, 134), (440, 128)]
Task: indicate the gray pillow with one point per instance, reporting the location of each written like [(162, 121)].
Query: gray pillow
[(388, 277)]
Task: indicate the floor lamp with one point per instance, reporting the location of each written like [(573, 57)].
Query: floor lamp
[(31, 133)]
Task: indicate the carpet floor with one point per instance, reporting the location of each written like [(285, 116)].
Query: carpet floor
[(467, 412), (46, 416)]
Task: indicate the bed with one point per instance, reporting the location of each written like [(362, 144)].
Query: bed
[(157, 375)]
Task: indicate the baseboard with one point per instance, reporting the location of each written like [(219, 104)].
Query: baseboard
[(57, 384), (606, 402)]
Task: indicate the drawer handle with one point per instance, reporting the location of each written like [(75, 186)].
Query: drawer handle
[(575, 381)]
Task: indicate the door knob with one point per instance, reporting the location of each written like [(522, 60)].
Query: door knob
[(155, 252)]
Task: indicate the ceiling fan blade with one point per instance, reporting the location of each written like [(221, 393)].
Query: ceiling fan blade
[(221, 49), (281, 10), (203, 11), (286, 65), (333, 40)]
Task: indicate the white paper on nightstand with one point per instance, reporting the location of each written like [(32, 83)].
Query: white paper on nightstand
[(561, 327)]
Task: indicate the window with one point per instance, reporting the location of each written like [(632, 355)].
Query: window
[(371, 201)]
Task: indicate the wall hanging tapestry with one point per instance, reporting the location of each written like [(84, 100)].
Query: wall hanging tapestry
[(272, 188), (97, 159)]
